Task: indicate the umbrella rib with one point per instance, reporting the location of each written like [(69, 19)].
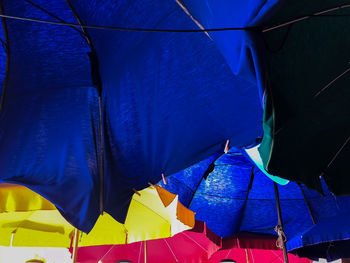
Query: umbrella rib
[(330, 83), (305, 17), (52, 15), (194, 241), (138, 261), (252, 255), (180, 3), (277, 257), (106, 253), (265, 199), (307, 204), (151, 210), (229, 251), (170, 249), (3, 44), (205, 174), (182, 183), (246, 198), (7, 46), (338, 152)]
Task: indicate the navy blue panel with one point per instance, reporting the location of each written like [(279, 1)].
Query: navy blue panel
[(45, 56), (219, 200), (52, 149), (50, 118), (242, 50), (170, 99), (2, 57), (330, 238)]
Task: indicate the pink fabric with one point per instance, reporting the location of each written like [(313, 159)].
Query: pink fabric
[(185, 247), (255, 256), (199, 245)]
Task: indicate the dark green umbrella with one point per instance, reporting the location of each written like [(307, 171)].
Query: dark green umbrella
[(307, 111)]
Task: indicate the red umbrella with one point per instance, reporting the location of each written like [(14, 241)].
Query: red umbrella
[(241, 255), (252, 248), (193, 246), (199, 245)]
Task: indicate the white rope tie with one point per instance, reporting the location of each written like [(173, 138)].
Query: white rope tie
[(281, 237)]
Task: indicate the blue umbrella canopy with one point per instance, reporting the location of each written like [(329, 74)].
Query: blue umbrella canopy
[(89, 114), (232, 195), (329, 238)]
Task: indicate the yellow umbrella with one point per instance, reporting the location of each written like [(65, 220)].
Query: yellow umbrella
[(27, 219)]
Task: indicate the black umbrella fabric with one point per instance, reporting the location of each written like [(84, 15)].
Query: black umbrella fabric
[(307, 114)]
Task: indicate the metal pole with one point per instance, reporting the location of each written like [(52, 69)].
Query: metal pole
[(75, 245), (280, 223), (145, 252)]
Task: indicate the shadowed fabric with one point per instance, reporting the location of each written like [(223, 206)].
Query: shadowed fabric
[(219, 199), (307, 117), (2, 58), (328, 239), (49, 120), (169, 100)]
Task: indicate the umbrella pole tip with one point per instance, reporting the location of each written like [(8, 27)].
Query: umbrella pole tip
[(136, 192), (227, 148), (164, 179)]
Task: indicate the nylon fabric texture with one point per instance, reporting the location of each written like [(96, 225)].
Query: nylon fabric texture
[(169, 100), (219, 198)]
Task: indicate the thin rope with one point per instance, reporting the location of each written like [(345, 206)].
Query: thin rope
[(330, 83), (172, 252), (281, 237), (252, 28), (150, 209), (195, 242), (125, 28)]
